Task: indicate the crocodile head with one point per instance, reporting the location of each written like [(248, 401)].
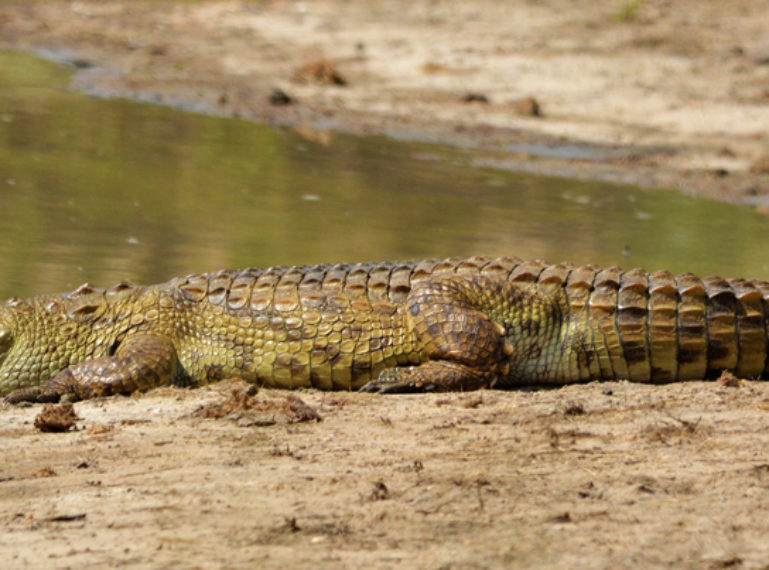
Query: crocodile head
[(19, 364), (9, 377), (6, 342), (34, 343)]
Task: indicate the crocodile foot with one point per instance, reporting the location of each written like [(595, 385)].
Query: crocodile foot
[(140, 363), (35, 394)]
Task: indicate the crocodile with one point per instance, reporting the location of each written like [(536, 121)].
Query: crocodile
[(446, 324)]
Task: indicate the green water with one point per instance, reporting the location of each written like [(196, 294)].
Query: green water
[(102, 190)]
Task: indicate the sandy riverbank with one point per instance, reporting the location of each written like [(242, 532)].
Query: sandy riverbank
[(654, 92)]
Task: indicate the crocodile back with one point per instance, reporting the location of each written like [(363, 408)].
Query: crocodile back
[(616, 324)]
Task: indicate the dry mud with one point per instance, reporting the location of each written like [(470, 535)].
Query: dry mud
[(602, 475)]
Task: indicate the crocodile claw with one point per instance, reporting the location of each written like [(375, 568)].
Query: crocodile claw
[(399, 381), (35, 394), (384, 387)]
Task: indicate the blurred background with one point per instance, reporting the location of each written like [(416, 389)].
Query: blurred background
[(139, 140)]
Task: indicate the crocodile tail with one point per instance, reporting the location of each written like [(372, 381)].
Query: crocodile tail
[(699, 328), (660, 328)]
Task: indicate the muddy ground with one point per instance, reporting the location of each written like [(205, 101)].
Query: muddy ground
[(592, 476)]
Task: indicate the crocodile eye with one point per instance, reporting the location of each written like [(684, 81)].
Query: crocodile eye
[(6, 340)]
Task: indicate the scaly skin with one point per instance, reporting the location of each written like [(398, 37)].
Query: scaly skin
[(455, 324)]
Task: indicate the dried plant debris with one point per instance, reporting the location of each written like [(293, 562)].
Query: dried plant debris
[(56, 418), (675, 430), (43, 472), (473, 97), (728, 380), (247, 407), (527, 107), (379, 492), (322, 72), (280, 98)]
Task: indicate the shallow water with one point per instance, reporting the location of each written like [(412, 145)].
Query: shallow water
[(103, 190)]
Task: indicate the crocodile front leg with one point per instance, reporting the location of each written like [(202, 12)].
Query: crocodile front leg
[(465, 347), (140, 362)]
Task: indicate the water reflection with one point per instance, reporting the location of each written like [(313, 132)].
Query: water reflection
[(98, 191)]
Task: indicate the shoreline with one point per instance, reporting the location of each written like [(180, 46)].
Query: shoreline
[(590, 105)]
